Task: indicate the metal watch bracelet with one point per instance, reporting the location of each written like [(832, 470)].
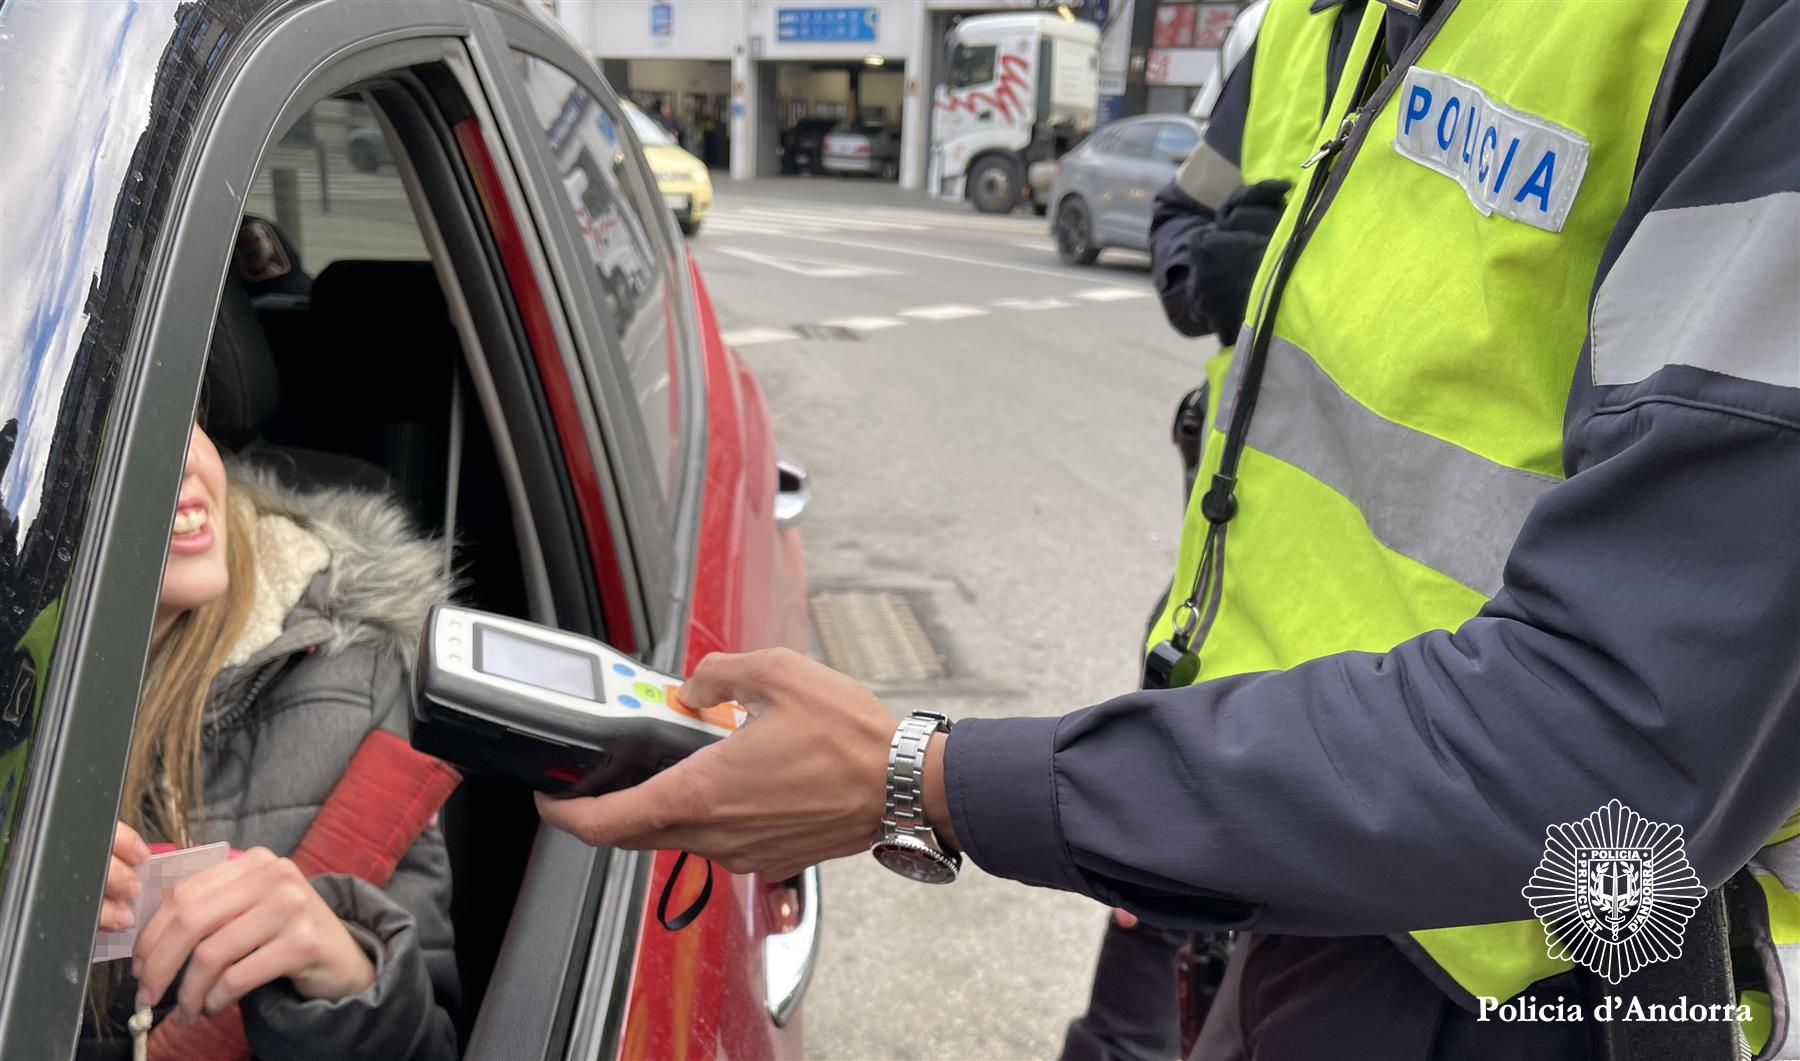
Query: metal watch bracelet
[(905, 810), (907, 845)]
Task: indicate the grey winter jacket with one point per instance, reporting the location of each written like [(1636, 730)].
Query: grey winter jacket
[(281, 726)]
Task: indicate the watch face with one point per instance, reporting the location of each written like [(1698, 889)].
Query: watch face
[(915, 860)]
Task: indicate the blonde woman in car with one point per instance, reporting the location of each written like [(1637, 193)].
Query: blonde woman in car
[(282, 640)]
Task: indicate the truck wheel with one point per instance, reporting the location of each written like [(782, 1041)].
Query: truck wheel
[(993, 186), (1074, 233)]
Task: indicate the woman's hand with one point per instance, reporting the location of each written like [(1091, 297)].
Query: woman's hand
[(239, 926), (122, 883)]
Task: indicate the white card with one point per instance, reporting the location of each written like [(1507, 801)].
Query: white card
[(159, 874)]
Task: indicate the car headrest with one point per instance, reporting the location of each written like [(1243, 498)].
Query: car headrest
[(385, 324), (243, 387)]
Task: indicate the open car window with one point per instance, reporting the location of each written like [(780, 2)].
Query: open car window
[(400, 357), (331, 187)]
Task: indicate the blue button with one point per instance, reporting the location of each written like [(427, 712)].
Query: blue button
[(629, 701), (624, 670)]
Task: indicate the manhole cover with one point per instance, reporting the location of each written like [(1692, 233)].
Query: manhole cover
[(874, 636)]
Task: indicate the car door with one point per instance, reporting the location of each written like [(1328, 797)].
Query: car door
[(200, 95), (736, 579), (1125, 184), (1171, 144), (91, 449), (181, 108)]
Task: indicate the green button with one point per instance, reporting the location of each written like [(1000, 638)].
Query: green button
[(652, 693)]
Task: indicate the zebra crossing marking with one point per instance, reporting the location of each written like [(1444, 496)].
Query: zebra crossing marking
[(777, 218), (1111, 294), (863, 324), (947, 312), (765, 221), (752, 336), (1029, 304), (817, 268)]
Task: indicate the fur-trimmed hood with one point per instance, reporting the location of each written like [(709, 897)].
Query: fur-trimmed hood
[(372, 583)]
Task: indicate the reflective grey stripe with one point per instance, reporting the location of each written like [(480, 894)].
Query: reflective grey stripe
[(1454, 511), (1784, 1003), (1708, 286), (1782, 861), (1209, 177)]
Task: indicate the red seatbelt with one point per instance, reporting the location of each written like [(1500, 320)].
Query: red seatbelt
[(388, 795)]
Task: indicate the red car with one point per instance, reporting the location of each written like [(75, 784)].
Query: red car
[(503, 327)]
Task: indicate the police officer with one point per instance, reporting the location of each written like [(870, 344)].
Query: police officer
[(1498, 527), (1207, 236), (1211, 223)]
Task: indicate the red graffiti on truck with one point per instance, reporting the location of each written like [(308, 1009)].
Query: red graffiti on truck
[(1011, 89)]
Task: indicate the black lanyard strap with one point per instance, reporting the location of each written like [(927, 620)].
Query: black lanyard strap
[(1373, 88), (694, 909), (1219, 503)]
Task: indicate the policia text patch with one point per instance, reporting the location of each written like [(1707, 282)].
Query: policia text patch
[(1510, 163)]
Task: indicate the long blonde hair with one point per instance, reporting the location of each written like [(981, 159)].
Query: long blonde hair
[(163, 788)]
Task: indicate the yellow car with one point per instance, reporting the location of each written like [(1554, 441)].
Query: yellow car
[(682, 178)]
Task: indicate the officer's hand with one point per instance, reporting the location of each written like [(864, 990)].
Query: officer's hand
[(802, 781), (1255, 207), (1225, 264)]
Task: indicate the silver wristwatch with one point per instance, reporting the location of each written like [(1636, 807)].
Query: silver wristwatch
[(907, 845)]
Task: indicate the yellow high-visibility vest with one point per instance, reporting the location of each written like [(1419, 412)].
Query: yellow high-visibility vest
[(1289, 88), (1411, 407)]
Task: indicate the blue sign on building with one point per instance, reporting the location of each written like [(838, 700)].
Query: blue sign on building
[(662, 20), (826, 23)]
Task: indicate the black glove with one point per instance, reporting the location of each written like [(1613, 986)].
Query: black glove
[(1255, 207), (1227, 254)]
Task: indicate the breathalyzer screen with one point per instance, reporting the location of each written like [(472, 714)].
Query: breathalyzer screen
[(535, 663)]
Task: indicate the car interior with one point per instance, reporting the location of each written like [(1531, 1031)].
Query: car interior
[(357, 377)]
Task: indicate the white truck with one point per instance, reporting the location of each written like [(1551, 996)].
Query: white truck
[(1019, 89)]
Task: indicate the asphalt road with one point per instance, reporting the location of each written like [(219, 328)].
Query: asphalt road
[(987, 431)]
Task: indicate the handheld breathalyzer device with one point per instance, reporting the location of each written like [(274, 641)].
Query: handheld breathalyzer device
[(551, 710)]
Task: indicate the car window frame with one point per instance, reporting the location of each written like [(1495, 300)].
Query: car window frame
[(299, 57), (89, 692), (616, 913), (94, 683), (669, 554)]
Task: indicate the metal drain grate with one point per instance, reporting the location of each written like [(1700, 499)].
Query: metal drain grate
[(826, 332), (874, 636)]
